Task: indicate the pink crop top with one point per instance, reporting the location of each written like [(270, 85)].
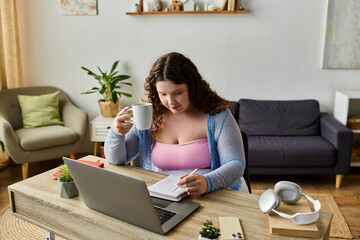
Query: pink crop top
[(190, 155)]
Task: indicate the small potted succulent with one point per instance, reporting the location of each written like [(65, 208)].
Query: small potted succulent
[(66, 184), (208, 232)]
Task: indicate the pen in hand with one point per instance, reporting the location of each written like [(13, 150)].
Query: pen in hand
[(176, 187)]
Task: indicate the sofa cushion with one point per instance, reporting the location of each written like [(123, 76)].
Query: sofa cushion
[(290, 151), (32, 139), (279, 118)]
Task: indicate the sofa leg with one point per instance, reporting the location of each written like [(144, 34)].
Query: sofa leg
[(72, 156), (338, 180), (25, 168)]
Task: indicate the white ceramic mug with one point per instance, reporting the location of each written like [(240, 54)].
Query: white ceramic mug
[(143, 113)]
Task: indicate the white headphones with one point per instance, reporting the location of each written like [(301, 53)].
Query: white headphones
[(289, 193)]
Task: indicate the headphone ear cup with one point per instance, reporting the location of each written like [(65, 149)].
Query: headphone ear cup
[(289, 192), (269, 200)]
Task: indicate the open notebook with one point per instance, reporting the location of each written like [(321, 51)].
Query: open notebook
[(164, 189)]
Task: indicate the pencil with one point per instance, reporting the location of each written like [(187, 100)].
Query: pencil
[(176, 187)]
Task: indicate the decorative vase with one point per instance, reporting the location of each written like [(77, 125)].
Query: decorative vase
[(67, 189), (147, 6), (197, 5), (206, 5), (204, 238), (108, 109)]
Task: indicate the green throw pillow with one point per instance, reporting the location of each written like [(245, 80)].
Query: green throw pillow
[(40, 110)]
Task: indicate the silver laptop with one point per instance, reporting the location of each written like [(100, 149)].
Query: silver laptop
[(127, 198)]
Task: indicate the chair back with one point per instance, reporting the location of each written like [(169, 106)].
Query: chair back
[(10, 107)]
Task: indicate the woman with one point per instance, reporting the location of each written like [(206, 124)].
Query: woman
[(192, 128)]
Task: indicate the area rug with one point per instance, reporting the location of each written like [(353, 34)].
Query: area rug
[(339, 227), (13, 228)]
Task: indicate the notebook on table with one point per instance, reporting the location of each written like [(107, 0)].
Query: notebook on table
[(165, 189), (127, 198)]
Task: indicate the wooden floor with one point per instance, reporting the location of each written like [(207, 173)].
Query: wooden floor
[(347, 197)]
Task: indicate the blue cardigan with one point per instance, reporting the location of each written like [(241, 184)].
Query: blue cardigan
[(225, 146)]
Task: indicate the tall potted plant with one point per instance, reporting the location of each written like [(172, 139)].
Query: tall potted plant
[(109, 89), (66, 184)]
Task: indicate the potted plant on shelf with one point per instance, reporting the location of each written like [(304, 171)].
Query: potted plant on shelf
[(136, 7), (109, 89), (66, 184), (209, 232)]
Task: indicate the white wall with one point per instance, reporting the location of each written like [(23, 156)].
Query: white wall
[(274, 52)]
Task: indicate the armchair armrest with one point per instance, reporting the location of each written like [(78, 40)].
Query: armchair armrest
[(75, 118), (9, 138), (341, 138)]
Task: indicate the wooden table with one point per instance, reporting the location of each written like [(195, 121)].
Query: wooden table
[(37, 201)]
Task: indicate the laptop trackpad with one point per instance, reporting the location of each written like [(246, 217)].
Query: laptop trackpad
[(161, 202)]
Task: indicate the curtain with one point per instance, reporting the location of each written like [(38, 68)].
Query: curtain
[(10, 59)]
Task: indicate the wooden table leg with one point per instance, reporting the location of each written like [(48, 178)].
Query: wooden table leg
[(25, 169), (95, 148)]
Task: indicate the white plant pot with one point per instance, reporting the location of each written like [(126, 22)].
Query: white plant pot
[(202, 238), (135, 8)]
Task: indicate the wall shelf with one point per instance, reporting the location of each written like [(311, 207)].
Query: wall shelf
[(188, 12)]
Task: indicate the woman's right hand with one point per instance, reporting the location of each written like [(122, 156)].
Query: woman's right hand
[(120, 124)]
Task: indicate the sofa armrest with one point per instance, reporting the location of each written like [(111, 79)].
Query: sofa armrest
[(341, 138)]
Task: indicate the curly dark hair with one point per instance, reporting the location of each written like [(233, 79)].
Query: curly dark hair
[(180, 69)]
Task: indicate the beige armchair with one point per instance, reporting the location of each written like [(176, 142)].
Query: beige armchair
[(42, 143)]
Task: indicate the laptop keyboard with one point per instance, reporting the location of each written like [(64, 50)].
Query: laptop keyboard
[(164, 215)]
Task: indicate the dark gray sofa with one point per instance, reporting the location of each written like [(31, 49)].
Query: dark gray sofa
[(293, 137)]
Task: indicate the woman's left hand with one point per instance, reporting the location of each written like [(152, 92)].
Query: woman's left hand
[(195, 185)]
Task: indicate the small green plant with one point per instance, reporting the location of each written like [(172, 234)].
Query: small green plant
[(109, 83), (209, 231), (65, 175), (2, 146)]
